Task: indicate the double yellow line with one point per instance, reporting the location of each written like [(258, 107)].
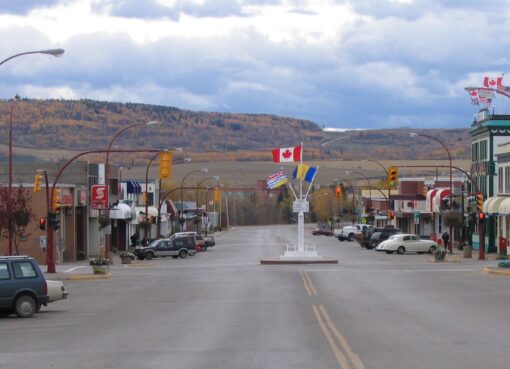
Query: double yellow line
[(309, 287), (345, 357), (338, 343)]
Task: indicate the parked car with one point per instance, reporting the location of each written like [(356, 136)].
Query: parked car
[(178, 247), (381, 235), (204, 242), (407, 243), (181, 234), (56, 290), (23, 288), (321, 232), (349, 232)]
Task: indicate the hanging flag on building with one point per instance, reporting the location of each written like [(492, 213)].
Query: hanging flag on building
[(276, 180), (494, 83), (473, 94), (287, 154), (304, 171)]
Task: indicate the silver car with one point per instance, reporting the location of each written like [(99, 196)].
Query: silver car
[(401, 243)]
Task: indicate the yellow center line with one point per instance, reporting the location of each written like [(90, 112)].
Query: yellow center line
[(305, 282), (356, 361), (310, 284), (340, 357)]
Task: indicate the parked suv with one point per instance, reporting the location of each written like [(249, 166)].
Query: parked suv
[(204, 242), (178, 247), (381, 236), (23, 288)]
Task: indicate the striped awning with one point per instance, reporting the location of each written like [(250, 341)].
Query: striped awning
[(492, 204)]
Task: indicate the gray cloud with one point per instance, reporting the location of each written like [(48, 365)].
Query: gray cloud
[(24, 6)]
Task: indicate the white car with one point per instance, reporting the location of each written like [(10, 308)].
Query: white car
[(407, 243), (56, 290)]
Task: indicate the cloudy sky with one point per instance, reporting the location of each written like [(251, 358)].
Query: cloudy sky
[(339, 63)]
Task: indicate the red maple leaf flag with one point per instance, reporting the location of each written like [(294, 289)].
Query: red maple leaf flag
[(287, 154), (494, 83)]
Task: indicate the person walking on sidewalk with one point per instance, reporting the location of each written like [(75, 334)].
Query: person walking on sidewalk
[(446, 238)]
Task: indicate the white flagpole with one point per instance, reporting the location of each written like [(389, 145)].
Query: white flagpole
[(301, 215)]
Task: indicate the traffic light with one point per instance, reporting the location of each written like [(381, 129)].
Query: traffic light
[(390, 214), (481, 217), (56, 199), (165, 164), (37, 182), (479, 203), (392, 177), (54, 221), (217, 195), (42, 224), (338, 192)]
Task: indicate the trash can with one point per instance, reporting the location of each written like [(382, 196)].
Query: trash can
[(467, 252)]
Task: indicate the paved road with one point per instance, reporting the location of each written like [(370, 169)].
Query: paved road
[(221, 309)]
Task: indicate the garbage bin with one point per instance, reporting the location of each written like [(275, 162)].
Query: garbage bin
[(467, 252)]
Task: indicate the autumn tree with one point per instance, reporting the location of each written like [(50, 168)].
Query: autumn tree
[(20, 215)]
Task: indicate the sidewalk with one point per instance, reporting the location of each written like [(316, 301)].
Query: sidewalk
[(82, 271), (489, 265)]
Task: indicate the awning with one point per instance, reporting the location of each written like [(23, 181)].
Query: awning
[(504, 206), (133, 187), (492, 204), (429, 198), (440, 195), (120, 211)]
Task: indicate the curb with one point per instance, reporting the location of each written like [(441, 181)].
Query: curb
[(145, 265), (280, 262), (88, 277), (499, 271)]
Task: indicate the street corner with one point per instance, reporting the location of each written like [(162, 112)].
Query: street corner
[(497, 270)]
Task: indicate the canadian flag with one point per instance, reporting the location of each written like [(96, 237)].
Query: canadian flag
[(494, 83), (287, 154)]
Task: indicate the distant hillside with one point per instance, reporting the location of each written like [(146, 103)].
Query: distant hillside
[(44, 127)]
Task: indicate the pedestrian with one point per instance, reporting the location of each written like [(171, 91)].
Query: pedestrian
[(446, 238), (134, 239)]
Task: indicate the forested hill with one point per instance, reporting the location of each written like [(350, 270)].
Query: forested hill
[(87, 124)]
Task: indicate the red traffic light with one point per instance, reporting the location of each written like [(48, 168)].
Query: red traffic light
[(481, 216), (42, 224)]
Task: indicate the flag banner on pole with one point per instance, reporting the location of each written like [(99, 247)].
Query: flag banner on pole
[(304, 171), (287, 154), (276, 180), (494, 83)]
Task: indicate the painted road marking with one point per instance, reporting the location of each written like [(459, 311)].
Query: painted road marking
[(75, 268), (309, 287), (331, 332)]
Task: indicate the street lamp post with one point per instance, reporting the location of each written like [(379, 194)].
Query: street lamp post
[(147, 186), (107, 177), (414, 134), (53, 52), (181, 210), (198, 186), (386, 172)]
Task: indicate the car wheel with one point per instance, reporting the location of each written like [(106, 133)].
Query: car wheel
[(25, 306), (350, 238), (401, 250), (183, 254), (148, 256), (432, 249)]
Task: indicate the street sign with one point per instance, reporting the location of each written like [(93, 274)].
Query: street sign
[(299, 206), (99, 197), (43, 242), (416, 217)]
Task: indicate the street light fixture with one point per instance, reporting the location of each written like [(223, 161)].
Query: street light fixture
[(107, 176), (203, 170), (56, 53), (414, 134)]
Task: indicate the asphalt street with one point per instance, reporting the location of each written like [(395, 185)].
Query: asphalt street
[(222, 309)]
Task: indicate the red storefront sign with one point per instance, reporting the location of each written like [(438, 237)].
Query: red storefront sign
[(99, 197)]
